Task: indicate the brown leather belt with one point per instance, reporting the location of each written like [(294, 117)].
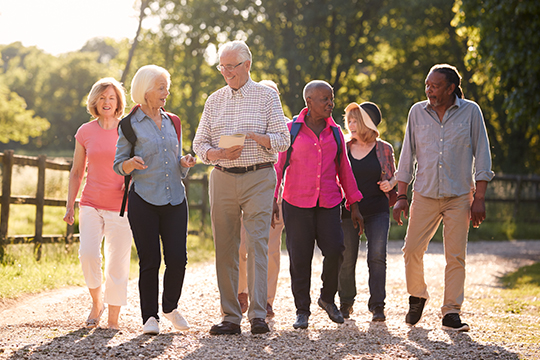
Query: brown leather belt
[(245, 169)]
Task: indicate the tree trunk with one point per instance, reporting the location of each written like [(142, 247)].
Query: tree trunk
[(144, 5)]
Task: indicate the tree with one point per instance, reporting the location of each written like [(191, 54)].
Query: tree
[(504, 57)]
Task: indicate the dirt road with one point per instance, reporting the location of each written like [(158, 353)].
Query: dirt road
[(50, 325)]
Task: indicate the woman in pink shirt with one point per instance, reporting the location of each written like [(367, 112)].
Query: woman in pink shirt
[(100, 203), (312, 198)]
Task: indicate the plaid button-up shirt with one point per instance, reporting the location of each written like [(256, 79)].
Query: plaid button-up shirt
[(253, 107)]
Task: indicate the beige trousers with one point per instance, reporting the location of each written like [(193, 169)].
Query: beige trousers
[(425, 216), (274, 257), (249, 196)]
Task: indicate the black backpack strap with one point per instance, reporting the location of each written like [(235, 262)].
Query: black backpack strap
[(335, 132), (295, 128), (127, 130)]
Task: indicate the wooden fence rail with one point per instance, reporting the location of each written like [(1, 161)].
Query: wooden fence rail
[(516, 189), (8, 159)]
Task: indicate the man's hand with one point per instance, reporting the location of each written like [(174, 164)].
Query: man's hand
[(401, 206), (478, 212), (275, 213), (357, 219)]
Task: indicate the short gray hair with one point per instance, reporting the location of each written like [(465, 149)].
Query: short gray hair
[(145, 79), (312, 85), (239, 46)]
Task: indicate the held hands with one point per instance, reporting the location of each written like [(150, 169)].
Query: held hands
[(402, 205), (188, 161)]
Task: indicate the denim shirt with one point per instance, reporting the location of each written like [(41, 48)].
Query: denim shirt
[(160, 183)]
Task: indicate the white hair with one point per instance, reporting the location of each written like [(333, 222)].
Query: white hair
[(239, 46), (272, 85), (145, 79)]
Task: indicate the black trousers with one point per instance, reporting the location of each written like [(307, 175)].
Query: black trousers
[(303, 227), (149, 223)]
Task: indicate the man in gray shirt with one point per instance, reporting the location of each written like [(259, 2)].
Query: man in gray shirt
[(446, 149)]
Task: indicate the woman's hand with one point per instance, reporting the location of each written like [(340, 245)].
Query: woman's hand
[(69, 217), (385, 185), (188, 161), (135, 163)]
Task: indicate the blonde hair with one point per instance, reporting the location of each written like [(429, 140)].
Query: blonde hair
[(145, 79), (98, 89), (364, 133)]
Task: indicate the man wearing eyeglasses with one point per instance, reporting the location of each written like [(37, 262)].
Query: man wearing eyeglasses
[(242, 182)]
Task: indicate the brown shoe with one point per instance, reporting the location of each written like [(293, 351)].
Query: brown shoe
[(225, 328), (259, 326), (269, 311), (243, 300)]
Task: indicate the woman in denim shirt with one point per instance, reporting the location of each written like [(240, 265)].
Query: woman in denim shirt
[(157, 204)]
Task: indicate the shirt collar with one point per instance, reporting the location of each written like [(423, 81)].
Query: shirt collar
[(329, 120), (242, 91), (140, 115)]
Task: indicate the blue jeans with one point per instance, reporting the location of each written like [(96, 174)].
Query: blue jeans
[(376, 231)]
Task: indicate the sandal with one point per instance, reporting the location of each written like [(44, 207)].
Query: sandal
[(93, 323)]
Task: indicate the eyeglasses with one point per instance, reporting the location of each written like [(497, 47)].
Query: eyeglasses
[(229, 67)]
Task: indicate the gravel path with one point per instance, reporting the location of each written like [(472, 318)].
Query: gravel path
[(49, 325)]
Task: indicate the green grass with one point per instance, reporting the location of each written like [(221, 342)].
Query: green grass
[(511, 312)]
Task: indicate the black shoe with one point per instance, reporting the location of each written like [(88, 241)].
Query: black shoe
[(346, 310), (225, 328), (301, 321), (416, 306), (378, 314), (332, 311), (259, 326), (453, 322)]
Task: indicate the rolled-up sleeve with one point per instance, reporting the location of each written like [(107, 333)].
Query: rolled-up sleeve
[(202, 140), (278, 132), (480, 144)]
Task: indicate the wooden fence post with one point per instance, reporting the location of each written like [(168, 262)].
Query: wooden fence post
[(518, 194), (40, 203), (7, 173)]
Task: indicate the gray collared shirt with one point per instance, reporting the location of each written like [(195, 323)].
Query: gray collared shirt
[(446, 157), (160, 183)]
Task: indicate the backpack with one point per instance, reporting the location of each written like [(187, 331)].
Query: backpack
[(127, 130), (295, 129)]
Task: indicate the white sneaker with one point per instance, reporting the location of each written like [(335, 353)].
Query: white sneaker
[(151, 326), (177, 320)]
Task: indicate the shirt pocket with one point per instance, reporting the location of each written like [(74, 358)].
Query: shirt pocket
[(147, 147), (460, 134), (424, 134)]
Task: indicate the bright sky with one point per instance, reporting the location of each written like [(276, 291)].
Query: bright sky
[(59, 26)]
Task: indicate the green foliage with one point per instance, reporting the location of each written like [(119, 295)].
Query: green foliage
[(525, 277), (17, 123), (504, 57)]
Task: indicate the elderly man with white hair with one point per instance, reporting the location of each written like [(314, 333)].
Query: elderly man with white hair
[(242, 182)]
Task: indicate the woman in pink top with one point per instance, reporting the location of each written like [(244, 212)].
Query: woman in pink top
[(312, 198), (100, 203)]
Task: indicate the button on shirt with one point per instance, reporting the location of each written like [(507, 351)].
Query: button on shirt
[(311, 177), (447, 156), (160, 183), (253, 107)]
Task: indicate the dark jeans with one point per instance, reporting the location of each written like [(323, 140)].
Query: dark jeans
[(376, 230), (303, 227), (149, 222)]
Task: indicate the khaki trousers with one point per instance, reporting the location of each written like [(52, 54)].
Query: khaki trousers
[(425, 217), (249, 196), (274, 257)]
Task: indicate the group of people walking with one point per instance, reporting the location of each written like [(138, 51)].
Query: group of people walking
[(291, 174)]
